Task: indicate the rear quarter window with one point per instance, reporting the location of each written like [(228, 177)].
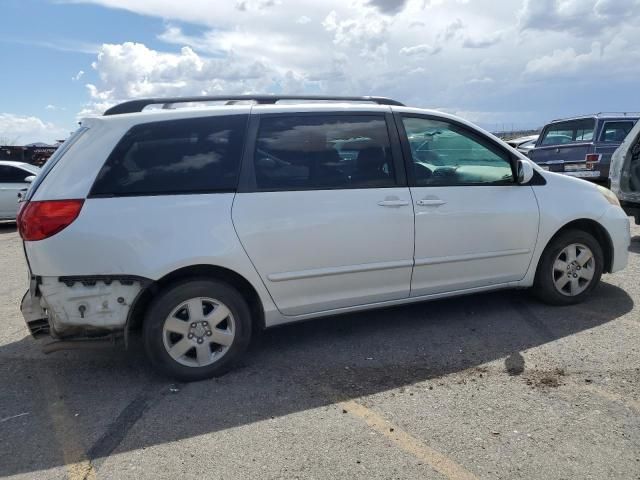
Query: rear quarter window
[(195, 155), (569, 132), (615, 132), (11, 174), (53, 161)]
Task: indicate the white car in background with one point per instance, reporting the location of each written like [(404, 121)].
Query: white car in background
[(524, 144), (199, 225), (15, 177)]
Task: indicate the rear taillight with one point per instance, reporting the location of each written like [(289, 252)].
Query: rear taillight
[(591, 159), (40, 220)]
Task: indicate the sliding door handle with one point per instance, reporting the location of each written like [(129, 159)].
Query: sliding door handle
[(431, 202), (393, 203)]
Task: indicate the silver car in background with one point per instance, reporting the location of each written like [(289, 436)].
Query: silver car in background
[(625, 173)]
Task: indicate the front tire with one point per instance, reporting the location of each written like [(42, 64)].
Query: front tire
[(569, 268), (197, 329)]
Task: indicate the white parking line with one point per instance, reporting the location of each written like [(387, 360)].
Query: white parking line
[(14, 416)]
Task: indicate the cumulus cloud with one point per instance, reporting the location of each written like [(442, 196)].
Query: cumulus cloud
[(132, 70), (481, 81), (367, 31), (422, 49), (452, 29), (21, 129), (245, 5), (389, 7), (563, 62), (422, 52), (582, 17), (614, 60), (616, 8), (482, 41)]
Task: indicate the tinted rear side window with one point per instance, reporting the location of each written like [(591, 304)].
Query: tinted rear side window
[(323, 152), (569, 132), (615, 132), (10, 174), (195, 155)]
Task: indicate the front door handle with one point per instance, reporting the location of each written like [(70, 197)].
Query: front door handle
[(393, 203), (430, 202)]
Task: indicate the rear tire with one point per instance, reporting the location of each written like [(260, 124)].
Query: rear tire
[(569, 268), (197, 329)]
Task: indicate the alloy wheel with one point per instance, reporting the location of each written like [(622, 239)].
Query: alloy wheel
[(198, 332), (573, 269)]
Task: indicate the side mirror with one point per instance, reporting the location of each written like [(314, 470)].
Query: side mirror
[(30, 178), (525, 172)]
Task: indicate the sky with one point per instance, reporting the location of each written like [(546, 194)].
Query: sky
[(502, 64)]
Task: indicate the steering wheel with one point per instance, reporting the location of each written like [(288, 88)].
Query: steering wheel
[(421, 171)]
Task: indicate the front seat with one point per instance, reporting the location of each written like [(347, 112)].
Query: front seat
[(370, 171)]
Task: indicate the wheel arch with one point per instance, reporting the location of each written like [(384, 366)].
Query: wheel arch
[(246, 289), (599, 233)]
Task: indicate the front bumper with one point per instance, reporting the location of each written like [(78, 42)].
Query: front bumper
[(616, 222)]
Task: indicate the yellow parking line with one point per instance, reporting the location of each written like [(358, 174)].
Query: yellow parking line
[(81, 471), (75, 459), (606, 394), (405, 441)]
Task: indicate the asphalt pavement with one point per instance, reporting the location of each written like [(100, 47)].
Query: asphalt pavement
[(481, 387)]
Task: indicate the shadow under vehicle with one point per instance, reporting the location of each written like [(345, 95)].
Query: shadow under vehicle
[(88, 405)]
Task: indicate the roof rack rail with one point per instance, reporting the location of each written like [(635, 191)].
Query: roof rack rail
[(133, 106), (622, 114), (588, 115)]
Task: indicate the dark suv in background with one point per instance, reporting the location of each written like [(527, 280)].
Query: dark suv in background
[(582, 146)]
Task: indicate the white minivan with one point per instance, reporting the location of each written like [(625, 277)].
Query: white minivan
[(201, 224)]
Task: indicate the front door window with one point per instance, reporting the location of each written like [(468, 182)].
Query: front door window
[(445, 154)]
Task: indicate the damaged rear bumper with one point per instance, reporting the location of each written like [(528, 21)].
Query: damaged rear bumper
[(80, 307), (34, 315)]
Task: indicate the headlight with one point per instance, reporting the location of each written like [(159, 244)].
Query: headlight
[(609, 195)]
